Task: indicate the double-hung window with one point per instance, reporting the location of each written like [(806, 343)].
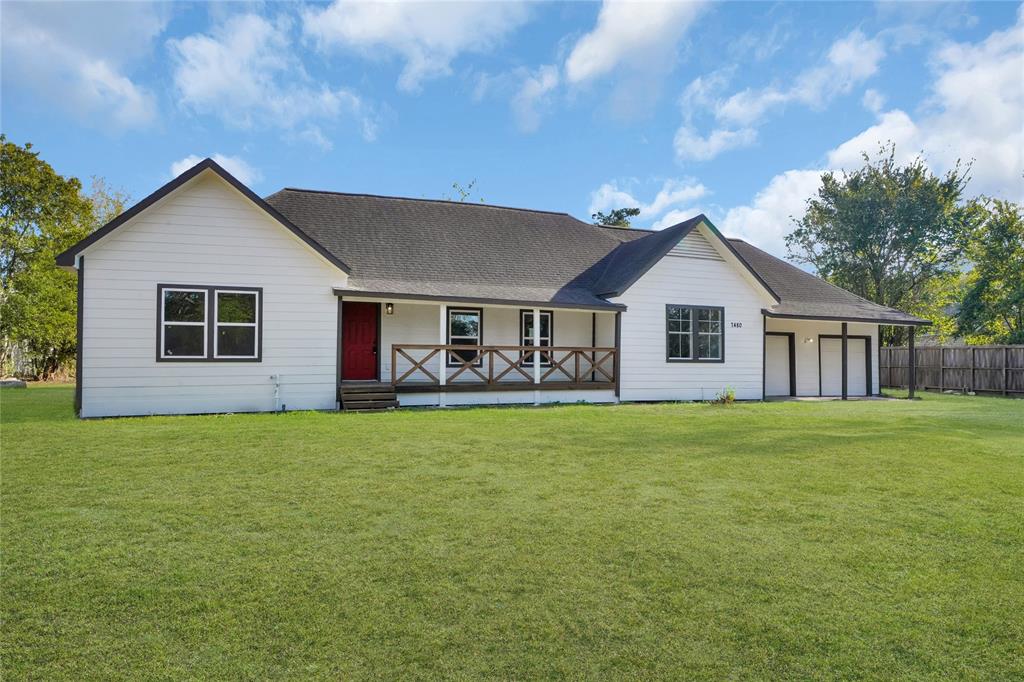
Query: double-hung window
[(526, 335), (204, 323), (694, 334), (465, 328), (237, 324), (183, 313)]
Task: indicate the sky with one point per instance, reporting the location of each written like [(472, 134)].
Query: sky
[(728, 109)]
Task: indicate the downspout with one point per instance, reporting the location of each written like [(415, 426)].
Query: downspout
[(79, 334)]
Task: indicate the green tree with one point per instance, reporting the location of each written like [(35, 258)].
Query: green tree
[(42, 214), (617, 217), (992, 310), (891, 233)]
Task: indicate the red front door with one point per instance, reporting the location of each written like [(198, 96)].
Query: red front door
[(359, 341)]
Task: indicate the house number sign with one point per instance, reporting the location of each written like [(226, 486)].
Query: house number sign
[(738, 325)]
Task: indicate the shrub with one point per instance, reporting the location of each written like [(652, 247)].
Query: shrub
[(727, 396)]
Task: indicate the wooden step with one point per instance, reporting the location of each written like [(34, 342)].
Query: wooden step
[(384, 395), (370, 387), (367, 397), (367, 405)]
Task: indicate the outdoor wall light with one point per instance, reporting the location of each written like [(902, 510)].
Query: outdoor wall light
[(389, 308), (807, 339)]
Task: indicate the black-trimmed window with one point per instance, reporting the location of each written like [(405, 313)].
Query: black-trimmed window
[(207, 323), (465, 327), (694, 334), (546, 334)]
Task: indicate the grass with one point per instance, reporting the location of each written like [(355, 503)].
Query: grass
[(867, 540)]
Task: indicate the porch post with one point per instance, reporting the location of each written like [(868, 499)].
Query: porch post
[(845, 363), (617, 364), (442, 376), (912, 364), (536, 356)]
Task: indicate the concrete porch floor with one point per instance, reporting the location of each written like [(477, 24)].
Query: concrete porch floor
[(824, 398)]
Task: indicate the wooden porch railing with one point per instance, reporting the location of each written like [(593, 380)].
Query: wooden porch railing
[(501, 367)]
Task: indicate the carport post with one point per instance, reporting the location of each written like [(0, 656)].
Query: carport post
[(912, 364), (845, 390)]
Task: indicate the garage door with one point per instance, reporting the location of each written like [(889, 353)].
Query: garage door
[(832, 366), (776, 365)]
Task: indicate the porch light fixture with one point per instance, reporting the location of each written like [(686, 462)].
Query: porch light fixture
[(389, 308), (808, 339)]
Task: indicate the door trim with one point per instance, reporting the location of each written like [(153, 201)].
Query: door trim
[(341, 340), (792, 364), (867, 359)]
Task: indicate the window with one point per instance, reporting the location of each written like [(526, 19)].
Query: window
[(236, 324), (202, 323), (526, 335), (183, 324), (679, 332), (694, 334), (465, 327)]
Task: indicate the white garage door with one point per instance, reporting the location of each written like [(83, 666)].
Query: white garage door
[(776, 365), (832, 367)]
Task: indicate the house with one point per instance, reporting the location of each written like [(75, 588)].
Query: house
[(205, 297)]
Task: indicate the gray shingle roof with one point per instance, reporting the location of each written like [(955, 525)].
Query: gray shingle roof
[(458, 250), (463, 251), (804, 295)]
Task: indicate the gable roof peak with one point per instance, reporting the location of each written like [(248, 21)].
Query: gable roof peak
[(67, 259)]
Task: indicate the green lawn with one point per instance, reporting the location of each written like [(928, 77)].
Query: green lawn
[(866, 540)]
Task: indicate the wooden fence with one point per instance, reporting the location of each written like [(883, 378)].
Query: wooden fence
[(982, 369)]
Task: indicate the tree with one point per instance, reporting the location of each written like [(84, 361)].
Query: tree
[(617, 217), (42, 214), (890, 233), (463, 192), (992, 310)]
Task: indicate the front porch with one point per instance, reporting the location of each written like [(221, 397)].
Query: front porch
[(453, 353)]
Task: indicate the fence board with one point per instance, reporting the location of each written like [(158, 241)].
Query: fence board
[(981, 369)]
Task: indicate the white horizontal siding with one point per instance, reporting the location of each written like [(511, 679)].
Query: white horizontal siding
[(806, 333), (206, 233), (647, 375)]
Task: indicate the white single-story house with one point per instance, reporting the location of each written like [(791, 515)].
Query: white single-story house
[(204, 297)]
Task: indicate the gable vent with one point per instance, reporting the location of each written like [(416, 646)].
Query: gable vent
[(694, 245)]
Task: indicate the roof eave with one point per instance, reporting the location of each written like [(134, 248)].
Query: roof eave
[(342, 293), (912, 322)]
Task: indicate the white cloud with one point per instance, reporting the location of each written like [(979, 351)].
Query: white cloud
[(245, 73), (79, 56), (245, 173), (640, 35), (769, 218), (673, 194), (676, 216), (427, 35), (973, 113), (851, 60), (873, 100), (532, 96), (895, 126), (690, 145)]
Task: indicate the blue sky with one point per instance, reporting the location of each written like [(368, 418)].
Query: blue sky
[(729, 109)]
